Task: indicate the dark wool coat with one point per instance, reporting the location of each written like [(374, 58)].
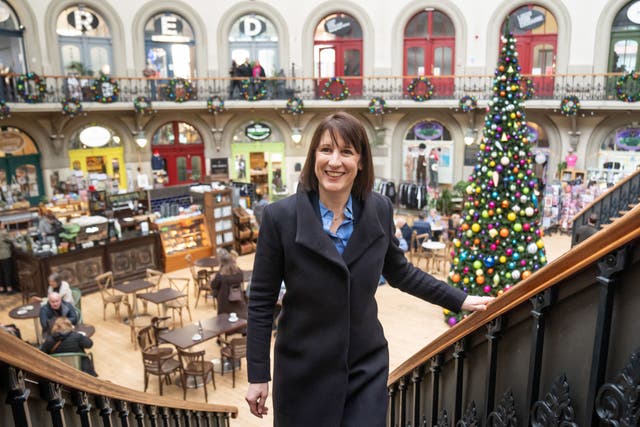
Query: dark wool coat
[(331, 356), (70, 342), (220, 286)]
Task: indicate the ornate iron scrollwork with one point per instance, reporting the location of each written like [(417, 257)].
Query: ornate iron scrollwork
[(556, 408), (617, 402), (470, 417), (443, 419), (505, 414)]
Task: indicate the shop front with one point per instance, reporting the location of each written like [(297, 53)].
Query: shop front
[(20, 171), (257, 155), (427, 153), (178, 154)]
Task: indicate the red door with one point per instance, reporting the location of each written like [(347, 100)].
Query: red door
[(432, 58), (340, 59), (537, 54), (181, 147)]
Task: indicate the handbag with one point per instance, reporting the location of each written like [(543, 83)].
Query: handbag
[(235, 293)]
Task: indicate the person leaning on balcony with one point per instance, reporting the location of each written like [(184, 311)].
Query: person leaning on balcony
[(330, 242), (64, 339), (54, 309)]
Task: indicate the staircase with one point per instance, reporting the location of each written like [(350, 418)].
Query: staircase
[(561, 348), (38, 390), (611, 205)]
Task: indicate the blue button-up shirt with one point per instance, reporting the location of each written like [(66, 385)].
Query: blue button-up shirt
[(341, 237)]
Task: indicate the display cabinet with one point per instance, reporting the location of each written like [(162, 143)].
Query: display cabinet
[(180, 236), (218, 211)]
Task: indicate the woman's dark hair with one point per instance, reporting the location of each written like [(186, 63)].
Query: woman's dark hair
[(354, 135)]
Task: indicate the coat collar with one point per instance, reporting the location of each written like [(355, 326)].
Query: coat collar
[(309, 231)]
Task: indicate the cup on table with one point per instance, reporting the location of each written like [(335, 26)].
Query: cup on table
[(233, 317)]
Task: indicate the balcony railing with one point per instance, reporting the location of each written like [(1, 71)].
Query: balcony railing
[(56, 89)]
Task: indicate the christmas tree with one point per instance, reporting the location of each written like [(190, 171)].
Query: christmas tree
[(499, 241)]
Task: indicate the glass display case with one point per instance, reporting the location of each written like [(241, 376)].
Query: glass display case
[(183, 235)]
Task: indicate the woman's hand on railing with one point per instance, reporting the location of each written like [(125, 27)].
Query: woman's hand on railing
[(256, 397), (476, 303)]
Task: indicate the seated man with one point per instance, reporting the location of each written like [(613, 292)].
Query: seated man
[(420, 226), (56, 308)]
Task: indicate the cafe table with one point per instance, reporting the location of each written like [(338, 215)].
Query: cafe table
[(208, 262), (161, 296), (432, 248), (133, 287), (183, 338), (32, 311)]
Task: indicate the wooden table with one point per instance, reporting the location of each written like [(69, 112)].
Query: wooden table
[(432, 247), (29, 311), (161, 296), (133, 287), (211, 328), (209, 262)]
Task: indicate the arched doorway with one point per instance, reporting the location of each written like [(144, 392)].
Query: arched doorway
[(618, 156), (179, 151), (536, 31), (429, 49), (337, 52), (20, 171), (427, 153)]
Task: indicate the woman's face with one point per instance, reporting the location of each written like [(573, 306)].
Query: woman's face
[(336, 166), (53, 284)]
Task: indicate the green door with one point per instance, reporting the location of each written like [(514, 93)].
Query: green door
[(22, 176)]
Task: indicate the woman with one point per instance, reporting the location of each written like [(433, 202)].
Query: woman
[(56, 284), (330, 243), (227, 287), (64, 339)]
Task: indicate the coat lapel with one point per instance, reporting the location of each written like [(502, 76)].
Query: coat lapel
[(309, 231), (367, 230)]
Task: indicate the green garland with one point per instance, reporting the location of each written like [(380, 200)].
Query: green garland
[(295, 105), (98, 95), (257, 95), (528, 90), (22, 87), (5, 110), (71, 107), (468, 103), (377, 105), (344, 89), (621, 82), (420, 81), (570, 106), (142, 104), (170, 90), (215, 104)]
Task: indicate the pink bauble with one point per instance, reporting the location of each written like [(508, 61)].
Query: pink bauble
[(493, 247), (523, 262), (509, 251), (487, 289), (452, 321), (526, 226)]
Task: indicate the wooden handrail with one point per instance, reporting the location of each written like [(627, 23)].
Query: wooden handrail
[(605, 194), (21, 355), (579, 257)]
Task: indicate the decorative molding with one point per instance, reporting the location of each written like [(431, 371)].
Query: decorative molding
[(556, 409), (443, 419), (470, 417), (617, 402), (505, 414)]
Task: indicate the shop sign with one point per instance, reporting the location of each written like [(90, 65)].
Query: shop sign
[(11, 142), (219, 167), (628, 139), (83, 20), (339, 26), (95, 136), (252, 26), (429, 131), (527, 19), (258, 131), (633, 13)]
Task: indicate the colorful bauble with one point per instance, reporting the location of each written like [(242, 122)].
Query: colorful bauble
[(259, 89), (412, 89), (468, 103), (171, 90), (142, 105), (377, 105), (570, 105), (5, 110), (23, 88), (295, 105), (330, 94), (215, 104), (528, 90), (105, 90), (71, 107), (620, 87)]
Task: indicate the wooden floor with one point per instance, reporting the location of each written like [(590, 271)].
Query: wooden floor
[(409, 325)]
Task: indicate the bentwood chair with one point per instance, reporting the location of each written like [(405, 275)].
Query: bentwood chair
[(155, 277), (180, 284), (416, 251), (194, 365), (148, 340), (234, 350), (136, 323), (201, 280), (108, 293), (159, 364)]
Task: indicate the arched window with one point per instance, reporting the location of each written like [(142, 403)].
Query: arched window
[(429, 43), (625, 37), (85, 41), (427, 152), (254, 37), (619, 154), (20, 171), (536, 31), (169, 44), (178, 149), (337, 50), (12, 56)]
